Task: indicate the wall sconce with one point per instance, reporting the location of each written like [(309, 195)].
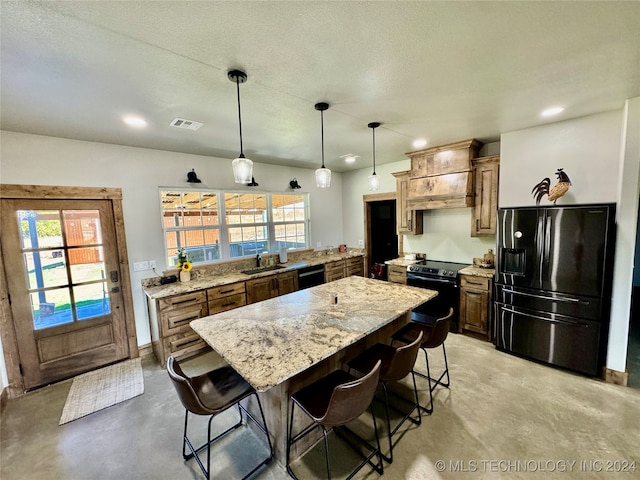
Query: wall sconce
[(192, 177), (294, 184)]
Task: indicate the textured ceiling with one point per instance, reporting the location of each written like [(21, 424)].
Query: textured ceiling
[(443, 71)]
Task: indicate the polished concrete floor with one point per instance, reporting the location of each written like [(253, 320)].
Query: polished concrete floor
[(504, 417)]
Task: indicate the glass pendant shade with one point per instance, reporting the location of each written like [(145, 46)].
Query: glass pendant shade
[(323, 174), (374, 182), (323, 177), (242, 169), (242, 166)]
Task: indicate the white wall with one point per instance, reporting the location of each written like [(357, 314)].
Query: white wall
[(600, 155), (587, 148), (139, 172)]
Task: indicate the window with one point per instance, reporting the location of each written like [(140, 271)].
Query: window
[(215, 225)]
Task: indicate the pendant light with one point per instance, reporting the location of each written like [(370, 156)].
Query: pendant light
[(374, 180), (323, 174), (242, 166)]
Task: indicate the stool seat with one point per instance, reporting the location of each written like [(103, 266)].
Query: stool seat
[(210, 394), (332, 402), (396, 363)]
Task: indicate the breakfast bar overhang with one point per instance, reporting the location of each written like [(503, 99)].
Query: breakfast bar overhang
[(282, 344)]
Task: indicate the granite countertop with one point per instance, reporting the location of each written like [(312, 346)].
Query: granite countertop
[(478, 271), (402, 262), (271, 341), (217, 280)]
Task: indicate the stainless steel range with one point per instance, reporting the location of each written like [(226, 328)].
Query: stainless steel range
[(442, 277)]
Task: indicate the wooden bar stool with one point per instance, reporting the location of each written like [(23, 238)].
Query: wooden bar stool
[(210, 394), (397, 363), (333, 401), (434, 336)]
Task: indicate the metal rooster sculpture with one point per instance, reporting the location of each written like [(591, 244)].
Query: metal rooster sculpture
[(558, 190)]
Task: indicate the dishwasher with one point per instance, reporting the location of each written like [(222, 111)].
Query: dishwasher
[(310, 276)]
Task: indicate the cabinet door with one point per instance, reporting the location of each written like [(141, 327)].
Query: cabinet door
[(474, 310), (484, 215), (287, 282), (261, 289), (408, 221)]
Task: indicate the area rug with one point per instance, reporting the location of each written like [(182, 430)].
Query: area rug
[(94, 391)]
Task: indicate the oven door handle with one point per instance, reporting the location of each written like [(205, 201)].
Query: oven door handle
[(435, 280)]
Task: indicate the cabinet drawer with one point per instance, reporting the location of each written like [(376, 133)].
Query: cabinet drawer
[(333, 267), (397, 274), (223, 291), (354, 266), (174, 320), (181, 345), (181, 301), (471, 281), (227, 303)]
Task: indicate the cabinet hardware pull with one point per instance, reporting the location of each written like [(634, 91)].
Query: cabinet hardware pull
[(228, 304), (226, 291), (185, 341), (188, 300)]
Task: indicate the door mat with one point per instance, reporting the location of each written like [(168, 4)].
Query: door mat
[(94, 391)]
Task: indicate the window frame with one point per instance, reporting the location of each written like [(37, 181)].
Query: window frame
[(223, 227)]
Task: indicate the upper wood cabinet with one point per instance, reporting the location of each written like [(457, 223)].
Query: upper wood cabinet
[(441, 177), (408, 222), (484, 215)]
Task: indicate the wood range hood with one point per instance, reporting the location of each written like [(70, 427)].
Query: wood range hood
[(442, 177)]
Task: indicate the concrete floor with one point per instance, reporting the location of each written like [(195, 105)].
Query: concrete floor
[(503, 416)]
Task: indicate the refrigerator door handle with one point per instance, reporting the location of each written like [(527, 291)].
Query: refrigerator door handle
[(543, 297), (546, 319)]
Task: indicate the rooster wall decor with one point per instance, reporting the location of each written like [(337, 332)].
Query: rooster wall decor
[(558, 190)]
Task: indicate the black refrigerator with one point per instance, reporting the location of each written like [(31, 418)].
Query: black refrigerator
[(553, 284)]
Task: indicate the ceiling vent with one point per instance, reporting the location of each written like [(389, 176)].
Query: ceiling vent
[(186, 124)]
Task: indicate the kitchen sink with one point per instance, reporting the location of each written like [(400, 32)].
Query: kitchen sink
[(262, 269)]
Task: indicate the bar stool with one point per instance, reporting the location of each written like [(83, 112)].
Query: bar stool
[(397, 363), (434, 336), (210, 394), (334, 401)]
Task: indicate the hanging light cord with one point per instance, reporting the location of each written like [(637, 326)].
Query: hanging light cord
[(322, 134), (374, 150), (239, 116)]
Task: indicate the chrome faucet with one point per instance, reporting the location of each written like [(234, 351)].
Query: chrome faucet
[(258, 260)]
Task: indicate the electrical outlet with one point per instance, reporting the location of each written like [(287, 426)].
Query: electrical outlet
[(140, 266), (152, 264), (360, 243), (319, 245)]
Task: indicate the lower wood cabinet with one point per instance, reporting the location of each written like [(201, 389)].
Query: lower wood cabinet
[(475, 305), (397, 274), (264, 288), (354, 266), (169, 321), (333, 271), (226, 297)]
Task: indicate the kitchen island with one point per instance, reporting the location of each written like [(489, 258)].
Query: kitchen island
[(283, 344)]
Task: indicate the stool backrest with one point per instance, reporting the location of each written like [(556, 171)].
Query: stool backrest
[(186, 392), (402, 361), (439, 332), (349, 400)]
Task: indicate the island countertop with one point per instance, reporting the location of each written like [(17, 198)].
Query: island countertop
[(271, 341)]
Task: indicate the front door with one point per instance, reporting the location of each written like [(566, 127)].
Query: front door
[(63, 280)]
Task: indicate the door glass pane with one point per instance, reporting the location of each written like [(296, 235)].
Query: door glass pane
[(45, 269), (91, 300), (51, 308), (39, 229), (87, 264), (82, 227)]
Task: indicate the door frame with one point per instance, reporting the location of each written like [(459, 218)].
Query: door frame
[(367, 200), (15, 386)]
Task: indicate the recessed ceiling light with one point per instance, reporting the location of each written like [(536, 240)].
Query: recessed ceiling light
[(549, 112), (419, 143), (349, 158), (136, 122)]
